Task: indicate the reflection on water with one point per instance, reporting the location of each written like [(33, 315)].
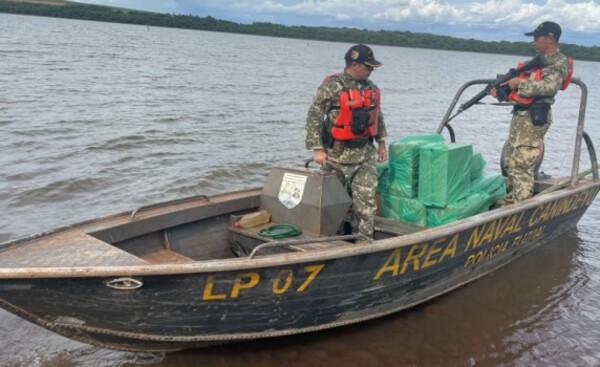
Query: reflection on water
[(98, 118)]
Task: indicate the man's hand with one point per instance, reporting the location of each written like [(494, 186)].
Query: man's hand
[(513, 83), (382, 151), (320, 156)]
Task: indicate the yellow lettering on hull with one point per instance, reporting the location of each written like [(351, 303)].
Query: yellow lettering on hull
[(486, 254), (252, 281), (312, 270), (208, 295), (494, 231), (420, 256), (562, 206), (287, 276), (243, 282)]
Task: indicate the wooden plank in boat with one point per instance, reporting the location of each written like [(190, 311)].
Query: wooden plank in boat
[(396, 227), (166, 256), (64, 249)]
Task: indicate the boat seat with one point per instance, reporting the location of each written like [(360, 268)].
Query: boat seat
[(244, 240), (166, 256), (541, 185), (66, 249), (385, 227)]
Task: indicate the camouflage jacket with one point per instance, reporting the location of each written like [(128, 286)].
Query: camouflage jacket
[(326, 97), (554, 72)]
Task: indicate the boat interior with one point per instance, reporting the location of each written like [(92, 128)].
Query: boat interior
[(218, 237), (184, 231)]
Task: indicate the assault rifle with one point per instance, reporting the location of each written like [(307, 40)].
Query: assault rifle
[(536, 63)]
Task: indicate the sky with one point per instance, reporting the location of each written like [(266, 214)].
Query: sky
[(491, 20)]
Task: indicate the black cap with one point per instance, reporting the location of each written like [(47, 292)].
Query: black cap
[(545, 29), (362, 54)]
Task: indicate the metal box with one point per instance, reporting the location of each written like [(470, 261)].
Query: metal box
[(314, 200)]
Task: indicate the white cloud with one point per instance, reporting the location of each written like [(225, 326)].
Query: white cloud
[(571, 15), (426, 10), (575, 15), (505, 16)]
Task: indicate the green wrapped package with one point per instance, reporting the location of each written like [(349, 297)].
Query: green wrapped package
[(404, 163), (444, 173), (383, 173), (490, 183), (474, 203), (404, 209), (477, 166)]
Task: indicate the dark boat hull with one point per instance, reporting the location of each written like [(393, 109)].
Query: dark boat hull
[(295, 294)]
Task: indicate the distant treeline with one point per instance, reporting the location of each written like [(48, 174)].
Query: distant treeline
[(350, 35)]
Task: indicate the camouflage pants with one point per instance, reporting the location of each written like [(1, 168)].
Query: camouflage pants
[(361, 181), (520, 155)]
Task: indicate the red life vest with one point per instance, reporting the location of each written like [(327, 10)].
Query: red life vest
[(537, 75), (567, 80), (350, 101)]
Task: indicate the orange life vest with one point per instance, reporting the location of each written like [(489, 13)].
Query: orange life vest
[(537, 75), (351, 102)]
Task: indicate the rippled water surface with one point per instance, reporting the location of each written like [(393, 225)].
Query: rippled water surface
[(98, 118)]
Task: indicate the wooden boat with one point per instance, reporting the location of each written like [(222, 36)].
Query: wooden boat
[(164, 277)]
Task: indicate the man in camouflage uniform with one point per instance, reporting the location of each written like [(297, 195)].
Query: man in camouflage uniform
[(529, 124), (353, 160)]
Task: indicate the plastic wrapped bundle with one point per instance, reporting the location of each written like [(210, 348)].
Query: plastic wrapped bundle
[(477, 166), (490, 183), (444, 173), (404, 209), (475, 203), (383, 173), (404, 163)]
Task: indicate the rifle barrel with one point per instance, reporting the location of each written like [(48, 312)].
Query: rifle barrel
[(537, 62), (478, 97)]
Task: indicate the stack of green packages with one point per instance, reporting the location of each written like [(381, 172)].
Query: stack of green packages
[(404, 163), (444, 173), (429, 182), (485, 189), (399, 198)]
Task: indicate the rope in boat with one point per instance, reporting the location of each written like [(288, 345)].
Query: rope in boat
[(283, 230)]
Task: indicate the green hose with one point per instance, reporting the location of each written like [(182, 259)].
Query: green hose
[(281, 231)]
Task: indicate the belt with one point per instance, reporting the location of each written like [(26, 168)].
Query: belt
[(518, 107), (357, 143)]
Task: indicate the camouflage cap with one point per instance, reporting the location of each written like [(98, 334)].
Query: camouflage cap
[(362, 54)]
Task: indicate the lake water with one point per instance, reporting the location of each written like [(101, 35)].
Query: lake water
[(99, 118)]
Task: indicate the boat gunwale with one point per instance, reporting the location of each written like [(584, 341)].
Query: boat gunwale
[(93, 225), (245, 263)]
